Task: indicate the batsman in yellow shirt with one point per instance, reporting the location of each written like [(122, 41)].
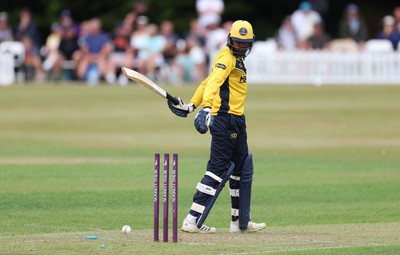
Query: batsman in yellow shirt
[(222, 97)]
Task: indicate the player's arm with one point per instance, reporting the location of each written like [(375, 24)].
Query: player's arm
[(207, 89), (223, 66), (197, 98)]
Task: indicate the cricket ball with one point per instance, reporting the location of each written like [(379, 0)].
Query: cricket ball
[(126, 229)]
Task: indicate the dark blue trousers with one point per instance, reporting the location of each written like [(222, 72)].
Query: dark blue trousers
[(229, 143)]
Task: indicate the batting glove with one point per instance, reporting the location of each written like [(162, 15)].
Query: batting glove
[(203, 120), (181, 109)]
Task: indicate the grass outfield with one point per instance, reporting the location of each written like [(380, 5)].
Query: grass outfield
[(78, 161)]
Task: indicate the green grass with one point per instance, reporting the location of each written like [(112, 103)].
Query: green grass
[(78, 161)]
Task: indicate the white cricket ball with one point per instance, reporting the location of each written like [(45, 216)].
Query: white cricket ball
[(126, 229)]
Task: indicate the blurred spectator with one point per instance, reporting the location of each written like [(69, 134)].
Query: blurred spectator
[(27, 27), (216, 39), (68, 53), (168, 31), (227, 25), (343, 45), (192, 57), (319, 40), (140, 7), (32, 62), (139, 29), (353, 26), (122, 54), (95, 49), (209, 11), (138, 37), (50, 49), (320, 6), (303, 20), (84, 30), (196, 32), (130, 20), (192, 61), (66, 21), (150, 45), (150, 52), (389, 31), (396, 14), (6, 33), (69, 43), (286, 37)]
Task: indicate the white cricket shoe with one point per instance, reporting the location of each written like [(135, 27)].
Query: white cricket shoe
[(251, 227), (191, 227)]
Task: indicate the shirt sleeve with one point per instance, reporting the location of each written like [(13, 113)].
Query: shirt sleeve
[(198, 95), (223, 66)]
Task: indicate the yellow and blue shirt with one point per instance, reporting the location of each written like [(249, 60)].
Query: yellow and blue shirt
[(225, 89)]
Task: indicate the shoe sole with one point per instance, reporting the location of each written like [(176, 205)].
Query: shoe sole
[(250, 231), (197, 232), (256, 230)]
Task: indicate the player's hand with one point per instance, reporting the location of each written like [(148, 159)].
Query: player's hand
[(203, 120), (181, 109)]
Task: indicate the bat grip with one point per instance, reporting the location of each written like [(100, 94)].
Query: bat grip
[(174, 100)]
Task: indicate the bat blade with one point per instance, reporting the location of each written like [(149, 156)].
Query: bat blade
[(147, 83)]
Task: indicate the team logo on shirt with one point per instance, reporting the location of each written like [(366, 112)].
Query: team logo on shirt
[(219, 65), (243, 79), (233, 135)]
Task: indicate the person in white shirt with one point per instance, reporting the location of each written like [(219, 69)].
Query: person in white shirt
[(286, 37), (304, 20), (209, 11)]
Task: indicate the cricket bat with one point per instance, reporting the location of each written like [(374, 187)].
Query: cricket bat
[(147, 83)]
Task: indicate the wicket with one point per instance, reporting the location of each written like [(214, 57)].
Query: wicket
[(166, 197)]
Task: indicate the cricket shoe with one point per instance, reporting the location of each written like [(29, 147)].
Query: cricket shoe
[(191, 227), (251, 227)]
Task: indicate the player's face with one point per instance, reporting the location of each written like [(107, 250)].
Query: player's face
[(241, 47)]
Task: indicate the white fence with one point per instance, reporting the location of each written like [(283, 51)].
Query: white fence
[(268, 66), (11, 56), (6, 68)]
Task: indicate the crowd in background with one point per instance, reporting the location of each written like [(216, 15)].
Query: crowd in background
[(304, 29), (84, 51)]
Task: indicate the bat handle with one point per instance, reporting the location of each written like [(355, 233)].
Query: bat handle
[(173, 99)]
